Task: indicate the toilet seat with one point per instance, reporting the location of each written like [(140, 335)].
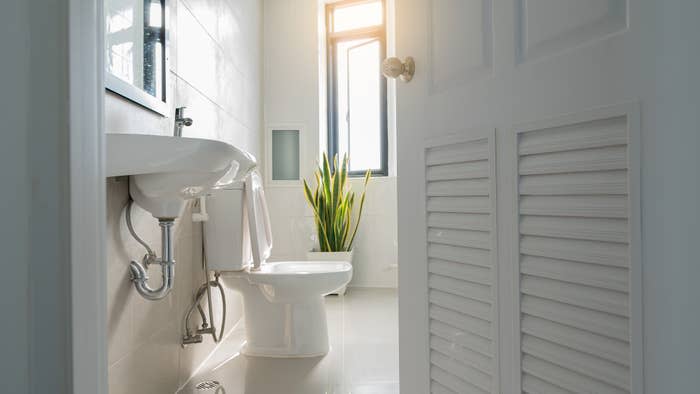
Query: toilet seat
[(295, 279), (259, 224)]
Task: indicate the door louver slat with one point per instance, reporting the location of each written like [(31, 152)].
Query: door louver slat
[(464, 305), (463, 354), (465, 272), (575, 338), (479, 222), (590, 229), (585, 160), (599, 133), (457, 254), (458, 171), (581, 183), (456, 319), (453, 382)]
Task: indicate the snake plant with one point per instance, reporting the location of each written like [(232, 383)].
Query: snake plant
[(332, 203)]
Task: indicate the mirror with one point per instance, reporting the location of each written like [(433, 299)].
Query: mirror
[(136, 51)]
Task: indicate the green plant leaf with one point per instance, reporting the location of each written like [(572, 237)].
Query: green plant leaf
[(333, 203), (368, 174)]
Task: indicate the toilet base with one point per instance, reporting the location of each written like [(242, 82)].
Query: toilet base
[(285, 329)]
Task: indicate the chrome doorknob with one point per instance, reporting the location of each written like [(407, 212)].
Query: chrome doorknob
[(393, 67)]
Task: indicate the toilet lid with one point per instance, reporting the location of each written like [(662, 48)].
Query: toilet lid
[(258, 219)]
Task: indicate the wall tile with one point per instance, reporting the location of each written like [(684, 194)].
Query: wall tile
[(152, 368), (120, 332)]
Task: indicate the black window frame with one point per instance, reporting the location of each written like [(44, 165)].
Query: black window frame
[(332, 39)]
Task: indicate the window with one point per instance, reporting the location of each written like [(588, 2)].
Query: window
[(357, 103)]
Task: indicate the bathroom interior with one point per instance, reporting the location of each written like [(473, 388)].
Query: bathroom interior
[(349, 196), (220, 72)]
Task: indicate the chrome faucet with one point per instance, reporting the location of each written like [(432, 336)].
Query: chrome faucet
[(180, 121)]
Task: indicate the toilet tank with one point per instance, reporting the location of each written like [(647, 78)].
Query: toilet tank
[(226, 234)]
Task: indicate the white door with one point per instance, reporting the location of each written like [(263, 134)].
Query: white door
[(518, 196)]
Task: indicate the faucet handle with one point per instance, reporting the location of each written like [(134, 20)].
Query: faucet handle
[(180, 117), (180, 121)]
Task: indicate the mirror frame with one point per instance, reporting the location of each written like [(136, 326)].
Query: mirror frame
[(139, 96)]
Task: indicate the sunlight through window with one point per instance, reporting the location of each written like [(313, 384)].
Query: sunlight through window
[(357, 99), (356, 16)]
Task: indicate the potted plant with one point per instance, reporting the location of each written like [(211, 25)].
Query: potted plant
[(332, 203)]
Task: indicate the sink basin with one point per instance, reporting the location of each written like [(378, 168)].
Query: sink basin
[(164, 171)]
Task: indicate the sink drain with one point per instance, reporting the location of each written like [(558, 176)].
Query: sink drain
[(207, 385)]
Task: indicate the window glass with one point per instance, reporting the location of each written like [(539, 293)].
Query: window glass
[(364, 110), (357, 16), (342, 114)]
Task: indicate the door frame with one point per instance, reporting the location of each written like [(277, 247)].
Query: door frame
[(88, 265)]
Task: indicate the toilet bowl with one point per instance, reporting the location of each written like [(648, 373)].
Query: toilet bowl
[(283, 305), (285, 315)]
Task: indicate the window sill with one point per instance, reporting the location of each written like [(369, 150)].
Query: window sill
[(378, 178)]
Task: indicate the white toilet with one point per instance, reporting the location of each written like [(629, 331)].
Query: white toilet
[(283, 303)]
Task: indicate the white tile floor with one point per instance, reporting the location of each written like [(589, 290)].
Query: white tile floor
[(364, 356)]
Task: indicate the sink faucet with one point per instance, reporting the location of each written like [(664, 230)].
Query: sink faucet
[(180, 121)]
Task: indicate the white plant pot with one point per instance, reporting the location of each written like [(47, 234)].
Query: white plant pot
[(331, 256)]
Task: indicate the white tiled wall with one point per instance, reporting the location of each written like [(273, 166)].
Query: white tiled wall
[(216, 67), (291, 96)]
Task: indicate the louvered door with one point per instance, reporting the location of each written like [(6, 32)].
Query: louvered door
[(462, 272), (574, 177), (565, 192)]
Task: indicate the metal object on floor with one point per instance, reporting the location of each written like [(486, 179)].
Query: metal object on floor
[(208, 385)]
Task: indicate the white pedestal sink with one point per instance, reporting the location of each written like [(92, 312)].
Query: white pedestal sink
[(164, 171)]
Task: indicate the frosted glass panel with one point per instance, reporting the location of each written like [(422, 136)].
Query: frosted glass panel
[(285, 155)]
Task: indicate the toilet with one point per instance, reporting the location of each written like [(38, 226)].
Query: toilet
[(283, 304)]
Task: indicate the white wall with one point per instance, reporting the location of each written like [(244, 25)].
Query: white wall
[(292, 55), (216, 56)]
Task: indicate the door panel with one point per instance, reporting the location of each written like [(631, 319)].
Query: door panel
[(460, 42), (566, 207), (545, 27)]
